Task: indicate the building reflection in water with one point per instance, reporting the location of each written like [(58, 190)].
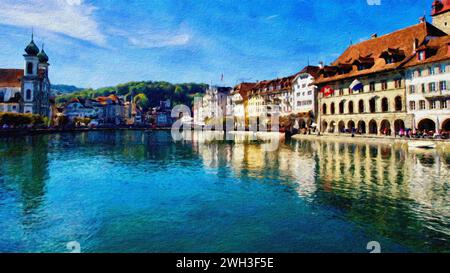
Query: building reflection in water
[(392, 189), (24, 170)]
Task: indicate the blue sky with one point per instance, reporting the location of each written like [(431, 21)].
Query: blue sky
[(96, 43)]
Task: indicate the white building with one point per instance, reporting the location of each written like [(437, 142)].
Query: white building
[(212, 106), (27, 90), (428, 85), (305, 93), (238, 104)]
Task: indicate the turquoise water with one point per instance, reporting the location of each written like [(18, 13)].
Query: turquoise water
[(130, 191)]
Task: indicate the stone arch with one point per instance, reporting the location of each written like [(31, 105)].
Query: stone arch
[(351, 125), (324, 126), (427, 125), (385, 127), (341, 126), (384, 105), (332, 109), (351, 107), (372, 105), (398, 103), (324, 109), (332, 127), (373, 127), (361, 106), (362, 127), (446, 125), (341, 107), (399, 125)]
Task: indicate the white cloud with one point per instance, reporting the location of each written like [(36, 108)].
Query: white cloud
[(68, 17), (153, 38), (154, 41)]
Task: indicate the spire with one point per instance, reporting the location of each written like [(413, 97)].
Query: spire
[(43, 58), (32, 48)]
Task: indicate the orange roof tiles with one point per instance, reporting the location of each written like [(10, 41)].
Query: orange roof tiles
[(11, 77), (438, 49), (369, 52)]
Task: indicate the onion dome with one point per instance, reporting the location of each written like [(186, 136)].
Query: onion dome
[(32, 48), (43, 58)]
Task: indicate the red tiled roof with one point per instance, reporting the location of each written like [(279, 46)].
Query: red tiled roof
[(440, 6), (284, 84), (243, 88), (438, 49), (369, 52), (311, 70), (11, 77)]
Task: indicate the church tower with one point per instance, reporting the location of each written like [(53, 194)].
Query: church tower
[(31, 78), (441, 15)]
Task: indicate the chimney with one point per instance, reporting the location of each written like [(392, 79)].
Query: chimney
[(422, 19), (320, 64), (374, 36)]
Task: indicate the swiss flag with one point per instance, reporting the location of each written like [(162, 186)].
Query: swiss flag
[(327, 91)]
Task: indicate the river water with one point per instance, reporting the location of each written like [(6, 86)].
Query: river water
[(134, 191)]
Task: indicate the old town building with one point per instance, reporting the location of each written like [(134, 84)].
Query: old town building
[(237, 105), (212, 106), (27, 90), (428, 86), (363, 91), (306, 94), (271, 97)]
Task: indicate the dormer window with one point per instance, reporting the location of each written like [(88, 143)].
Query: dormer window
[(422, 55)]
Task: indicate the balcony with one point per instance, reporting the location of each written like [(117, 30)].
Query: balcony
[(437, 94)]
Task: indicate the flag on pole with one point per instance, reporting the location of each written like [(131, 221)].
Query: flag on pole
[(221, 78), (356, 86)]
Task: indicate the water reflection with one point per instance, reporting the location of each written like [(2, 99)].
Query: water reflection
[(24, 174), (141, 191), (401, 193)]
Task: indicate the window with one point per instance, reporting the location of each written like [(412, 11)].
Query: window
[(29, 68), (442, 68), (384, 85), (341, 92), (384, 105), (361, 106), (398, 83), (442, 85), (2, 96), (433, 104), (372, 86), (398, 104), (412, 105), (421, 56), (422, 105), (412, 89), (432, 87), (309, 93), (431, 71), (341, 107), (28, 94), (350, 107), (419, 73), (444, 104), (424, 89)]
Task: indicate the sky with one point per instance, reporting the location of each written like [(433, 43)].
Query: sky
[(98, 43)]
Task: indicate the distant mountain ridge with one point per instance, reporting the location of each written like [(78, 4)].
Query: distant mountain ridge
[(65, 89), (151, 93)]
